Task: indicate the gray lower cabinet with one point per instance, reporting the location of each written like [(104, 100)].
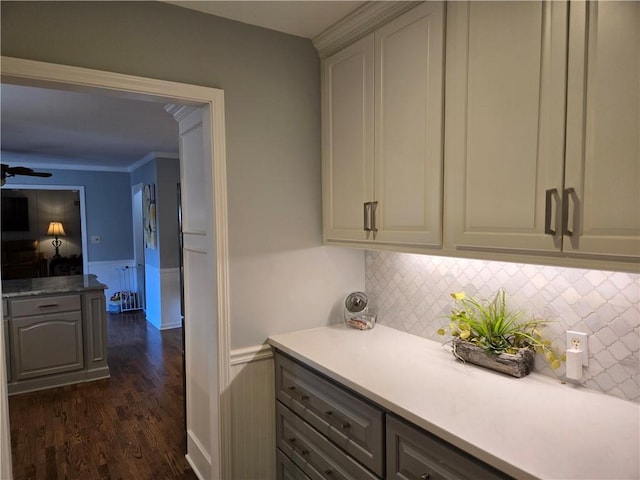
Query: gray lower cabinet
[(286, 469), (47, 344), (327, 431), (5, 326), (324, 431), (55, 340), (413, 453), (46, 336)]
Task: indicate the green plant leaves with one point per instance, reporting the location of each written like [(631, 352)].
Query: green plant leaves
[(490, 325)]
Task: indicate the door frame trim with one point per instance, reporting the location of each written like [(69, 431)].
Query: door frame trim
[(41, 74)]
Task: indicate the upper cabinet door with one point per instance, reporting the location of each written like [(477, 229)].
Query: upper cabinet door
[(409, 53), (347, 141), (603, 129), (505, 118)]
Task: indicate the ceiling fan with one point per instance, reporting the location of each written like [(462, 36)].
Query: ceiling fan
[(8, 171)]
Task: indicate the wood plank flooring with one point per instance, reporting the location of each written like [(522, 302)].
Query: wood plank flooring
[(127, 427)]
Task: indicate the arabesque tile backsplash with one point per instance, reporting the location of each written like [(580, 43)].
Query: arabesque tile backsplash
[(411, 293)]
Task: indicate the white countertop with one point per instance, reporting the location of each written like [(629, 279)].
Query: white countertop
[(532, 427)]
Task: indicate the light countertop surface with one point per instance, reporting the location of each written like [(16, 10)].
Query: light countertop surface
[(50, 285), (532, 427)]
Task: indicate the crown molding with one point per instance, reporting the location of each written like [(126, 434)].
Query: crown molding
[(151, 156), (357, 24), (178, 112)]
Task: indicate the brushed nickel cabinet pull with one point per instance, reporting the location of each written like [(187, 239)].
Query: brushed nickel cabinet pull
[(566, 195), (366, 220), (549, 194), (374, 207)]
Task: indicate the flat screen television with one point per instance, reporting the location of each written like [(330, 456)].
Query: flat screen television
[(15, 214)]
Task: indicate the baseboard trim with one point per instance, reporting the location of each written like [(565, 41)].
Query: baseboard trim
[(197, 457), (171, 325), (250, 354)]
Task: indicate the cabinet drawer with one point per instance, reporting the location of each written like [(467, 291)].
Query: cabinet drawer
[(352, 423), (314, 454), (46, 344), (286, 469), (413, 453), (41, 305)]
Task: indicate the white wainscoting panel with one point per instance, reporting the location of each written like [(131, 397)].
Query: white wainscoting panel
[(163, 297), (253, 434), (170, 298), (108, 273)]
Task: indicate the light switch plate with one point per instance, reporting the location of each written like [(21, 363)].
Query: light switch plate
[(584, 344)]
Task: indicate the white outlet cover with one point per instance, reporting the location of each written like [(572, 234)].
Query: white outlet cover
[(584, 344)]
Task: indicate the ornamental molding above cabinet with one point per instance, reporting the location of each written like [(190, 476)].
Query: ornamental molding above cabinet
[(362, 21)]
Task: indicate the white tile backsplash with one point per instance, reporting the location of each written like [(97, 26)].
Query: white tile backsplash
[(411, 293)]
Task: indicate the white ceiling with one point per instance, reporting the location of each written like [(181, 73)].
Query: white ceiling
[(41, 127), (302, 18)]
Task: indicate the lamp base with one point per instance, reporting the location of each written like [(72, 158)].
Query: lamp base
[(56, 244)]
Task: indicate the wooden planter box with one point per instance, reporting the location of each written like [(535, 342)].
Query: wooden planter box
[(517, 365)]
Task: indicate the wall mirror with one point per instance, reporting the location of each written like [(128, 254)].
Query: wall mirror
[(42, 231)]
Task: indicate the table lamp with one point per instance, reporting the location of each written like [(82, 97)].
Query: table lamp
[(56, 230)]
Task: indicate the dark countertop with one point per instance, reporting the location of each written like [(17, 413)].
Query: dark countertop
[(50, 285)]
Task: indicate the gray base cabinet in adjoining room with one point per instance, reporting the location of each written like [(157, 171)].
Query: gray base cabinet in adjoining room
[(324, 431), (46, 336), (55, 332)]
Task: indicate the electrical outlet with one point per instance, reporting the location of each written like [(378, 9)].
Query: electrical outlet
[(95, 238), (579, 340)]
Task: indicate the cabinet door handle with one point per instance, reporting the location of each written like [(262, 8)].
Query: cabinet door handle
[(566, 195), (48, 305), (374, 207), (425, 476), (548, 204), (302, 397), (367, 225)]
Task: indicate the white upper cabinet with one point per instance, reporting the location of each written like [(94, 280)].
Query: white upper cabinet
[(603, 129), (512, 183), (504, 131), (347, 136), (382, 134)]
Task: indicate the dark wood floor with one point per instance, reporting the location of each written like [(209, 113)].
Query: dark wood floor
[(127, 427)]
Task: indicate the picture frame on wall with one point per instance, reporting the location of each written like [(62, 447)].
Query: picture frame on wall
[(149, 216)]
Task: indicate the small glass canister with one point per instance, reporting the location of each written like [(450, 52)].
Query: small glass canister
[(356, 311)]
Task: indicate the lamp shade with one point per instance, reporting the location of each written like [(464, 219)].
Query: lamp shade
[(55, 229)]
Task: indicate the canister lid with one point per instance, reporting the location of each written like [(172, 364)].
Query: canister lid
[(356, 302)]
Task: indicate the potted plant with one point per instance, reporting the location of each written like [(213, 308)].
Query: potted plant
[(486, 333)]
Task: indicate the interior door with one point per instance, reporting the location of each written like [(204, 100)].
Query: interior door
[(138, 244), (200, 287)]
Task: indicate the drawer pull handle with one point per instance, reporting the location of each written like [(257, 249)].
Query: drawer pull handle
[(301, 396), (343, 424), (425, 476), (331, 474), (48, 305), (302, 451)]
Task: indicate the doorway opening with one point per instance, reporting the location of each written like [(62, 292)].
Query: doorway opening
[(206, 254)]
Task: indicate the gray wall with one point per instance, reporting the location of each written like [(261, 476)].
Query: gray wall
[(281, 278), (108, 208), (164, 173)]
